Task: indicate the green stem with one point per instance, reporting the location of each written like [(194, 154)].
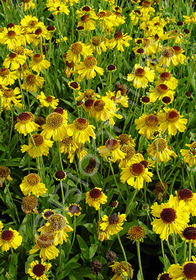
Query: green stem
[(62, 193), (174, 244), (61, 164), (190, 247), (139, 259), (124, 254), (185, 248), (129, 205), (163, 253)]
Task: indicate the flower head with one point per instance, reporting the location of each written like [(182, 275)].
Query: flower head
[(37, 270), (25, 123), (32, 184), (95, 198), (189, 155), (112, 224), (10, 239)]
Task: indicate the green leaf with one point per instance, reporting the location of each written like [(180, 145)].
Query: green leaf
[(92, 250), (83, 247)]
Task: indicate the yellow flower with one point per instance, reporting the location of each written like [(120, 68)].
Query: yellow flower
[(12, 36), (25, 123), (32, 184), (32, 82), (38, 146), (118, 98), (27, 4), (129, 152), (112, 224), (10, 98), (37, 270), (189, 198), (186, 271), (47, 101), (81, 131), (189, 155), (120, 270), (76, 50), (45, 243), (87, 23), (10, 239), (164, 275), (57, 7), (55, 127), (136, 172), (160, 92), (147, 124), (169, 217), (95, 198), (39, 62), (164, 151), (141, 76), (112, 149), (88, 68), (189, 234), (167, 79), (167, 57), (7, 77), (172, 121), (119, 40), (73, 210), (14, 60)]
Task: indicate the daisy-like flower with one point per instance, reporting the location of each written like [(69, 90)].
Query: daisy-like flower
[(147, 124), (179, 56), (7, 77), (189, 234), (88, 68), (12, 36), (57, 7), (95, 198), (47, 101), (136, 172), (70, 147), (81, 131), (172, 121), (76, 50), (14, 60), (164, 276), (189, 198), (186, 271), (129, 152), (45, 243), (29, 203), (37, 270), (167, 57), (27, 4), (141, 76), (112, 224), (87, 23), (189, 155), (125, 139), (25, 123), (32, 82), (99, 44), (112, 149), (73, 210), (164, 151), (74, 85), (136, 233), (10, 239), (39, 62), (32, 184), (38, 146), (119, 40), (118, 98), (169, 217), (120, 270), (58, 227), (167, 79), (47, 213), (55, 127), (4, 175), (160, 92), (10, 97)]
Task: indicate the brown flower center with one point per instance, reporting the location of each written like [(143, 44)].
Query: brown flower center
[(33, 179), (86, 9), (8, 93), (25, 116), (31, 80), (185, 194), (190, 271), (4, 72), (161, 88), (48, 213), (113, 219), (162, 144), (60, 174), (124, 139), (99, 105), (81, 123), (165, 276), (51, 28), (59, 110), (145, 99), (177, 49), (140, 50), (166, 99), (89, 94), (54, 120), (74, 209), (172, 115), (85, 18), (37, 58), (146, 4), (29, 203), (111, 67), (95, 193), (151, 120), (38, 140), (89, 103), (7, 235), (167, 52), (139, 72), (118, 35), (76, 48), (112, 144), (90, 62), (57, 222), (38, 269), (129, 150), (193, 148), (49, 99), (45, 241), (10, 25), (38, 31), (168, 215), (190, 233), (12, 55), (137, 169), (136, 233), (4, 171), (11, 34), (165, 76), (74, 85)]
